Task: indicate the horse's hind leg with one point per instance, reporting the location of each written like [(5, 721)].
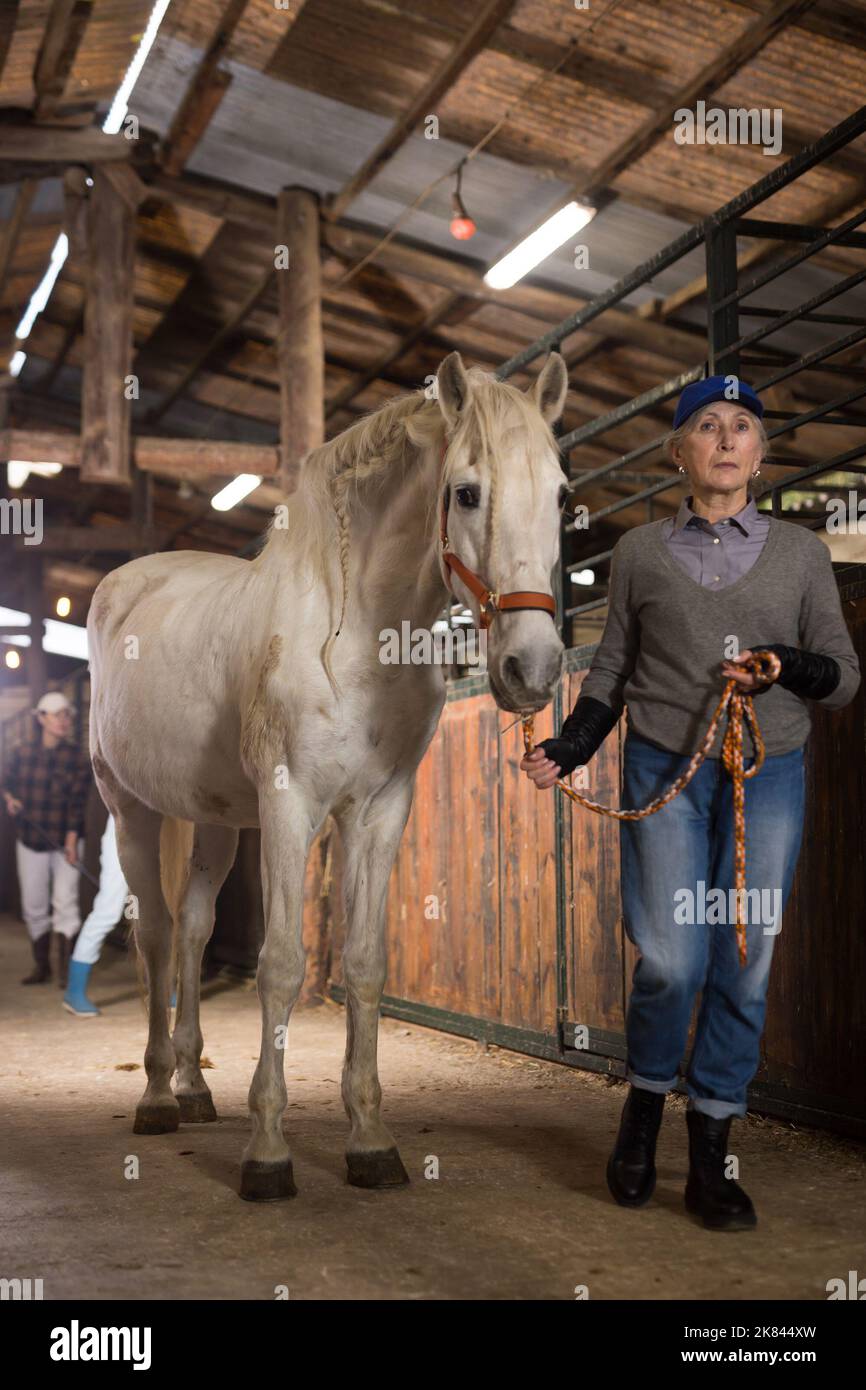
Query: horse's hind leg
[(287, 832), (213, 853), (370, 844), (138, 849)]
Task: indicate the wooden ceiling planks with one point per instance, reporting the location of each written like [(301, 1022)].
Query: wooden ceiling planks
[(437, 88), (367, 56), (107, 48), (22, 28)]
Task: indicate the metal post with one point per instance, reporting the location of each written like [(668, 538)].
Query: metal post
[(722, 322), (34, 602), (140, 503), (564, 577)]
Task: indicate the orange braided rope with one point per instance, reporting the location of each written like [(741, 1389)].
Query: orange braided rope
[(763, 664)]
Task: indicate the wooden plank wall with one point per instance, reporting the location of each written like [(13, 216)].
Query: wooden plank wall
[(815, 1037), (472, 899)]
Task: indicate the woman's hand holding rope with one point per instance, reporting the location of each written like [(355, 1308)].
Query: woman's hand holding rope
[(760, 669)]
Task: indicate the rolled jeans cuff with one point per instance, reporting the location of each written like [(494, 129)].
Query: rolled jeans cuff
[(717, 1109), (645, 1084)]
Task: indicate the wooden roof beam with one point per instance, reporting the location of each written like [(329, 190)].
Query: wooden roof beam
[(713, 75), (75, 540), (720, 69), (8, 25), (543, 303), (22, 142), (64, 30), (345, 396), (204, 94), (151, 453), (11, 230), (256, 211), (215, 341), (475, 39)]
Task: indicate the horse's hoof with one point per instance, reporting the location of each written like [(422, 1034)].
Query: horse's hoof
[(156, 1119), (376, 1168), (196, 1107), (267, 1182)]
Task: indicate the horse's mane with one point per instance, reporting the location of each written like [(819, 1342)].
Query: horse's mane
[(338, 478)]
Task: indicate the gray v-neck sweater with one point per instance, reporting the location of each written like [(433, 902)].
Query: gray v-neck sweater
[(666, 636)]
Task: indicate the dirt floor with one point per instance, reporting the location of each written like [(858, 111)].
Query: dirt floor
[(520, 1208)]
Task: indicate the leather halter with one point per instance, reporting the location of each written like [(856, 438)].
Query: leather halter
[(490, 603)]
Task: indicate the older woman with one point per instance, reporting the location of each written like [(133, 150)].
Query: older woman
[(691, 597)]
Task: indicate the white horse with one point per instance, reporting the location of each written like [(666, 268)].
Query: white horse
[(232, 693)]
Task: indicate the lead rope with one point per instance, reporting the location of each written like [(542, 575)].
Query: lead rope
[(764, 664)]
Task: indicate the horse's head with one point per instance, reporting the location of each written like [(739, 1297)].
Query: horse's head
[(503, 489)]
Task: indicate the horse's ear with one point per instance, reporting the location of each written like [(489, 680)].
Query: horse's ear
[(453, 388), (551, 388)]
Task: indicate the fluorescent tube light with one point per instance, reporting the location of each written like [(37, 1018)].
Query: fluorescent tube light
[(538, 246), (235, 491)]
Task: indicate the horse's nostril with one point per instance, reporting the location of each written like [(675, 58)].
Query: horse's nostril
[(512, 670)]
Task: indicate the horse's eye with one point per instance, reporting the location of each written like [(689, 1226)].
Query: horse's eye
[(466, 496)]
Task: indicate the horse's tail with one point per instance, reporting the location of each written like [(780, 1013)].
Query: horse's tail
[(175, 855)]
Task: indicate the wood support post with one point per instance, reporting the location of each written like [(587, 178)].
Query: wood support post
[(105, 413)]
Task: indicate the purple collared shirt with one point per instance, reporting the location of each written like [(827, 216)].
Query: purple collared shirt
[(716, 555)]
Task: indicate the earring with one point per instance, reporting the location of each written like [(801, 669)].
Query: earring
[(757, 473), (681, 469)]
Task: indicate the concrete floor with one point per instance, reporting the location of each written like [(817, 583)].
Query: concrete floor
[(520, 1209)]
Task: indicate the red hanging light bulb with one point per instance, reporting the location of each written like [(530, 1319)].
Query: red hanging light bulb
[(462, 225)]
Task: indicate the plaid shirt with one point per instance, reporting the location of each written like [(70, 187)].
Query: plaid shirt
[(52, 786)]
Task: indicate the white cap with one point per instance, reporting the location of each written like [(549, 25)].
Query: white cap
[(53, 703)]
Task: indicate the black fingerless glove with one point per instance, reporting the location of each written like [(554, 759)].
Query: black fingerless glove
[(803, 673), (581, 735)]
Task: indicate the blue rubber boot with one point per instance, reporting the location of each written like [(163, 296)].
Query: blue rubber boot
[(75, 999)]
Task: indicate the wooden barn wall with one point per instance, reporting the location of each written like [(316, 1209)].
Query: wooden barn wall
[(505, 921)]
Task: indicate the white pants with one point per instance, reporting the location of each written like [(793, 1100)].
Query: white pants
[(108, 903), (49, 890)]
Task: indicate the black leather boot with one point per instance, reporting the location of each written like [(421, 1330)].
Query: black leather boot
[(631, 1169), (720, 1201), (41, 971), (64, 951)]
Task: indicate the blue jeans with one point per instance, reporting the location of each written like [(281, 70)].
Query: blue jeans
[(670, 862)]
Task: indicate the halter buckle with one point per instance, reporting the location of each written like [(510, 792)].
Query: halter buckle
[(490, 605)]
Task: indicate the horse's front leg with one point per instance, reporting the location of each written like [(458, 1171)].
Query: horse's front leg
[(266, 1169), (370, 839)]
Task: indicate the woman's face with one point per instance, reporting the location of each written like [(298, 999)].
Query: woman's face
[(723, 450), (59, 723)]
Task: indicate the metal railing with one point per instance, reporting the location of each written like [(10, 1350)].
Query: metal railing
[(726, 346)]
